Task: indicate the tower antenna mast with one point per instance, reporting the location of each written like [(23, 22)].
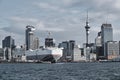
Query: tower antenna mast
[(87, 27)]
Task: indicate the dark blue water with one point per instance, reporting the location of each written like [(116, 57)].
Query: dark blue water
[(61, 71)]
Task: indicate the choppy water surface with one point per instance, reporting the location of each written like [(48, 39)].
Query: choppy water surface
[(60, 71)]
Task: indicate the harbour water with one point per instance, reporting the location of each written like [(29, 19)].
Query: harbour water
[(60, 71)]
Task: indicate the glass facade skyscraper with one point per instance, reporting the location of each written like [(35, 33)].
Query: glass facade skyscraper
[(8, 42), (106, 35), (68, 50), (29, 37), (8, 45)]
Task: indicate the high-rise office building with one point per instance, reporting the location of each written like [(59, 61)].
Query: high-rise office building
[(65, 45), (106, 35), (88, 52), (29, 37), (68, 49), (71, 50), (49, 42), (98, 43), (36, 43), (8, 42), (1, 53), (112, 48), (8, 45), (77, 53)]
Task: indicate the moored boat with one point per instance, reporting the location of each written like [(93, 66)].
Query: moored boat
[(50, 54)]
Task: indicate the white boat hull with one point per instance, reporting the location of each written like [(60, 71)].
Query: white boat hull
[(49, 55)]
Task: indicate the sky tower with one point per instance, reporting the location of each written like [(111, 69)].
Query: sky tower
[(87, 27)]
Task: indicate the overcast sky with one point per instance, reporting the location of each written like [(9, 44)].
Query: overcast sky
[(65, 19)]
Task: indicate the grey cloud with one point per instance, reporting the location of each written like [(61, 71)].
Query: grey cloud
[(100, 6), (70, 23), (14, 29), (18, 25)]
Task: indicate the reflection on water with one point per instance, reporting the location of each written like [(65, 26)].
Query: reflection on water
[(60, 71)]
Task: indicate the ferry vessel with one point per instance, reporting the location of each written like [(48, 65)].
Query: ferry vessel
[(49, 54)]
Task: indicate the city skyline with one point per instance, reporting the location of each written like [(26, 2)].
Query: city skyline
[(65, 19)]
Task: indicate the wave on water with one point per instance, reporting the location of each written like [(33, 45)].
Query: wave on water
[(60, 71)]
